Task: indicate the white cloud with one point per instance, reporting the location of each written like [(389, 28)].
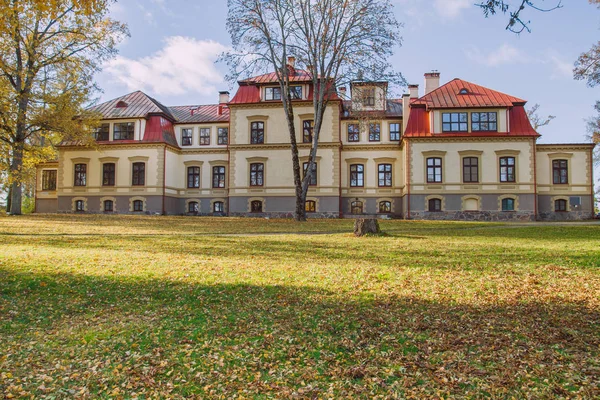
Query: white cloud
[(183, 65), (505, 54), (451, 8), (561, 68)]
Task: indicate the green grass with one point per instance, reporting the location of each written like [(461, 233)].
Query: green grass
[(151, 307)]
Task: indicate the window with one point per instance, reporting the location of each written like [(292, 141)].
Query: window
[(560, 172), (123, 131), (257, 171), (374, 132), (310, 206), (385, 207), (296, 92), (204, 136), (313, 176), (435, 205), (138, 205), (560, 205), (218, 207), (193, 177), (80, 174), (385, 175), (508, 204), (463, 91), (470, 169), (186, 136), (79, 206), (222, 135), (356, 207), (434, 170), (353, 133), (108, 206), (108, 174), (484, 122), (49, 180), (455, 122), (193, 207), (357, 175), (256, 206), (101, 132), (138, 177), (307, 131), (273, 93), (507, 169), (257, 132), (218, 177), (368, 97), (575, 202), (394, 132)]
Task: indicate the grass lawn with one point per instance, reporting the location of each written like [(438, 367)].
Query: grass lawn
[(156, 307)]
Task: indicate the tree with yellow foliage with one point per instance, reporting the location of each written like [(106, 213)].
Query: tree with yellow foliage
[(49, 52)]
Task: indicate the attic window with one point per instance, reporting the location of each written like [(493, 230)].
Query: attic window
[(463, 91), (121, 104)]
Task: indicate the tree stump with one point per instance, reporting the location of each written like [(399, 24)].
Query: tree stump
[(363, 226)]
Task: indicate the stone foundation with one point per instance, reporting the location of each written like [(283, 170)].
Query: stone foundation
[(487, 216), (286, 215), (565, 216)]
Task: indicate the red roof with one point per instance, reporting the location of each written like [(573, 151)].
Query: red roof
[(159, 129), (449, 96), (250, 94), (296, 75)]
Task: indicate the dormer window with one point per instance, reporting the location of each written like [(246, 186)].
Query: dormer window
[(121, 104), (368, 97), (463, 91), (296, 92), (272, 93)]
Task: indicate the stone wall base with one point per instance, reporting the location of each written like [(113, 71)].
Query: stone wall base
[(565, 216), (488, 216), (288, 215)]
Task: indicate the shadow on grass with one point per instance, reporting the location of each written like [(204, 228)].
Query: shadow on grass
[(88, 334)]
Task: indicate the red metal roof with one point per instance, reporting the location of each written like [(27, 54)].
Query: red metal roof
[(296, 75), (159, 130), (519, 122), (246, 94), (449, 96)]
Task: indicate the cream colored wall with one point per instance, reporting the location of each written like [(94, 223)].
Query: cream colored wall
[(45, 194), (178, 163), (196, 135), (123, 157), (436, 117), (276, 130), (489, 153), (371, 158), (278, 178), (579, 162), (364, 131)]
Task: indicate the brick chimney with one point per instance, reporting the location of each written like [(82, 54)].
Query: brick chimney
[(342, 92), (414, 91), (432, 81), (292, 61), (223, 97)]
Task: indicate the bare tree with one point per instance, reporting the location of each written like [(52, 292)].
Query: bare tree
[(332, 40), (516, 23), (536, 120)]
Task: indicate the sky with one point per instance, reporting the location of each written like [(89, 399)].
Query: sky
[(174, 44)]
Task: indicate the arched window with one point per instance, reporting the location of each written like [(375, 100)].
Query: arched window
[(435, 205), (310, 206), (218, 207), (256, 206), (356, 207), (138, 205), (560, 205), (193, 207), (108, 206), (508, 204), (385, 207), (79, 206)]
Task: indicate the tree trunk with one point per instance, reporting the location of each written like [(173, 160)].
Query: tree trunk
[(8, 199), (15, 172), (364, 226)]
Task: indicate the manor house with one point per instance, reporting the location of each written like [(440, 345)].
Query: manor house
[(459, 151)]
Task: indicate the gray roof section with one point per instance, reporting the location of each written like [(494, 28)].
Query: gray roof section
[(200, 114), (139, 105), (393, 109)]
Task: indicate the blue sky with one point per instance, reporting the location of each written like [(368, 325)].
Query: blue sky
[(174, 44)]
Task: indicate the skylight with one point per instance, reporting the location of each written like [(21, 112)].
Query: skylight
[(463, 91)]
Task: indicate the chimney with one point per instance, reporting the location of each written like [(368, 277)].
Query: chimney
[(342, 91), (414, 91), (432, 81), (223, 97), (292, 61), (405, 110)]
